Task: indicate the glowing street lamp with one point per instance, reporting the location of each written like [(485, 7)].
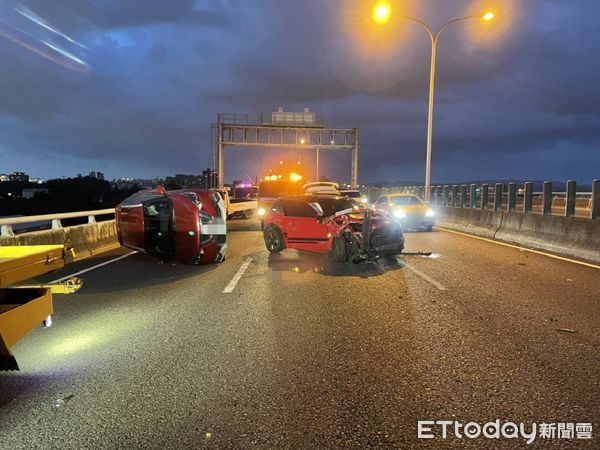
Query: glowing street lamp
[(488, 16), (382, 12)]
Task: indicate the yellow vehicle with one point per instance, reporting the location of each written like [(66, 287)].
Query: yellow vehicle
[(411, 210), (24, 307), (273, 187)]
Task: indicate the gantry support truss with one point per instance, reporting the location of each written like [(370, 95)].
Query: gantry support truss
[(285, 136)]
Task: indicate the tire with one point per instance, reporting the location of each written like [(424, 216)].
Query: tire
[(273, 239), (337, 254), (246, 214), (429, 228)]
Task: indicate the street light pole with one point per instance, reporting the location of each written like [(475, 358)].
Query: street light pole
[(434, 40), (430, 116), (382, 12)]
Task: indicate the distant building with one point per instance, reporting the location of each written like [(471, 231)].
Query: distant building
[(184, 181), (19, 177), (97, 175), (4, 177), (130, 183), (210, 179)]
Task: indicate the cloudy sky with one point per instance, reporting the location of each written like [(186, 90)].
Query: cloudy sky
[(130, 87)]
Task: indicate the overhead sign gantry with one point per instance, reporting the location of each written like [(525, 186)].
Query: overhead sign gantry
[(287, 130)]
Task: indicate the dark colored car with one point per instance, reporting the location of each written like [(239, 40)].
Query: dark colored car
[(331, 224), (356, 196), (184, 225)]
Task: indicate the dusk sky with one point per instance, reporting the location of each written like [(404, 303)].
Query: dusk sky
[(130, 87)]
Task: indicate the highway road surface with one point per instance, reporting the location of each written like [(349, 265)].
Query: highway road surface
[(289, 351)]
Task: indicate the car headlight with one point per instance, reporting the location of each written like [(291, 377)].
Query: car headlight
[(261, 211), (364, 200), (399, 214), (430, 213)]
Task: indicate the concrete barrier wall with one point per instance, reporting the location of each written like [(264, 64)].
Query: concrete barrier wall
[(86, 240), (569, 236)]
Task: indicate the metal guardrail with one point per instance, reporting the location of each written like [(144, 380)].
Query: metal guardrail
[(547, 202), (6, 224)]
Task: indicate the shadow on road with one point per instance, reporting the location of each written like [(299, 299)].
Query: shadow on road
[(243, 225), (136, 272), (297, 262), (13, 384)]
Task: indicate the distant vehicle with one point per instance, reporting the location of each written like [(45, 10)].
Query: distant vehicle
[(186, 225), (410, 209), (274, 187), (332, 225), (321, 187), (356, 196), (245, 191), (243, 207)]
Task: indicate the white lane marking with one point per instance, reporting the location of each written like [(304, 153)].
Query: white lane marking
[(525, 249), (427, 278), (236, 278), (89, 269)]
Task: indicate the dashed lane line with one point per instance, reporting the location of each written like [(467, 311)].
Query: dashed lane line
[(236, 278), (427, 278)]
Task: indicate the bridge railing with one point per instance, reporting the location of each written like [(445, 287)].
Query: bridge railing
[(508, 197), (49, 221)]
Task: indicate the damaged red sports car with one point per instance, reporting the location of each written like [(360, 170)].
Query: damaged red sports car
[(331, 224)]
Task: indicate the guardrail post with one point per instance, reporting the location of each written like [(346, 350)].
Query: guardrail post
[(56, 225), (6, 231), (473, 196), (498, 189), (484, 196), (528, 198), (91, 219), (571, 198), (512, 196), (454, 195), (445, 195), (463, 195), (595, 213), (547, 198)]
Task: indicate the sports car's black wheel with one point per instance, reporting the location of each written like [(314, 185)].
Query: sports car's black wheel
[(337, 254), (273, 239)]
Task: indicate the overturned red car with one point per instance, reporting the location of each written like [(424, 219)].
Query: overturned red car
[(331, 224), (185, 225)]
